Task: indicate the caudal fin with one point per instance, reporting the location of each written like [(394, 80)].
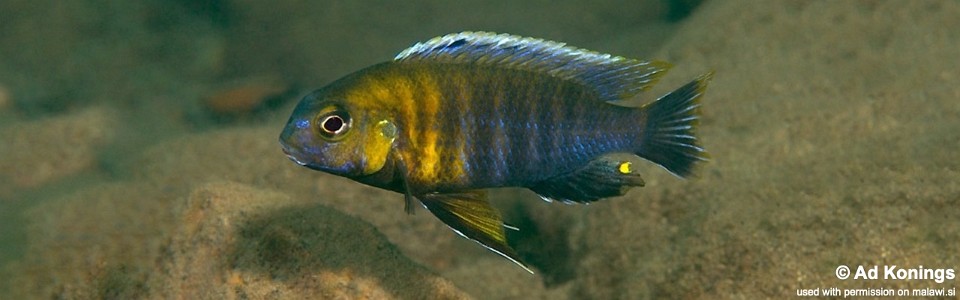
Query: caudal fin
[(669, 139)]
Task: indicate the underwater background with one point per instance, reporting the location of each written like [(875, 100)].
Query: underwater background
[(139, 154)]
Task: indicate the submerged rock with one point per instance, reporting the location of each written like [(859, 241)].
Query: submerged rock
[(222, 240), (237, 241), (98, 242), (39, 152)]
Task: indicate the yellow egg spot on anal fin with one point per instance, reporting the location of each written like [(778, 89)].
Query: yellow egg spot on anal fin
[(624, 168), (599, 179)]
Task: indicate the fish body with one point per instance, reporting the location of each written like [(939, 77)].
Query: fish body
[(464, 112)]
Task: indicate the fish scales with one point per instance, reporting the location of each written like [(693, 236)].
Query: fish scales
[(457, 114), (501, 116)]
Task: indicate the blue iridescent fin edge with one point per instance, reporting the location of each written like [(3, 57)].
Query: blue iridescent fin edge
[(614, 78)]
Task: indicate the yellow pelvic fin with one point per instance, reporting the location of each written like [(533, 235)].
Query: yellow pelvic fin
[(470, 214)]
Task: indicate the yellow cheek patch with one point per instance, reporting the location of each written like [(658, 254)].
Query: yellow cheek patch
[(624, 168), (377, 145)]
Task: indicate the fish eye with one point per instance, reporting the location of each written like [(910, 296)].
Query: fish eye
[(334, 124)]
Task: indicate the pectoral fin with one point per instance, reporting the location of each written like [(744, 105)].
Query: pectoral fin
[(470, 215), (408, 198)]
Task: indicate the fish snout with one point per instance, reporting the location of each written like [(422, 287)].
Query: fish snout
[(290, 151)]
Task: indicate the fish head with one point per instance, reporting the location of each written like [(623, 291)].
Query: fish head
[(330, 132)]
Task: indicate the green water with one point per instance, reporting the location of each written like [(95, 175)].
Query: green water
[(832, 128)]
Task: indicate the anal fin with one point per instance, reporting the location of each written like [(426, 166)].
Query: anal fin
[(471, 215), (601, 178)]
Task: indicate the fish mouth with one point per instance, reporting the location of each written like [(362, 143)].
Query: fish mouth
[(294, 159), (296, 154), (290, 155)]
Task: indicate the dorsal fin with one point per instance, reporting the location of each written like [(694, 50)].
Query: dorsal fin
[(613, 77)]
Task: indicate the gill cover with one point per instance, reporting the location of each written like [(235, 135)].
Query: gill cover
[(366, 146), (380, 143)]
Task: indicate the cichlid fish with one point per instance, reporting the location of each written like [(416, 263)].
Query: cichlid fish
[(460, 113)]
